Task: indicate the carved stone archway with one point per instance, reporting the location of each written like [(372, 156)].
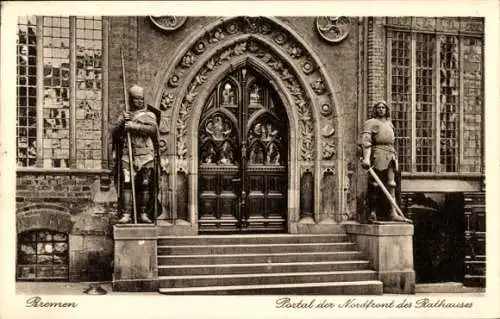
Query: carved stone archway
[(297, 75)]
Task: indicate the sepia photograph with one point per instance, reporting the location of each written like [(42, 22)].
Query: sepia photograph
[(313, 165)]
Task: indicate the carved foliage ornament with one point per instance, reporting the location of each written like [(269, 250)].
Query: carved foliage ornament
[(283, 40), (226, 55), (168, 23), (333, 29)]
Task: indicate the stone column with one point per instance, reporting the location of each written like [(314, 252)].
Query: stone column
[(135, 261), (389, 247)]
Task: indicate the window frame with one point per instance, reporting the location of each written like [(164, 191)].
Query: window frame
[(21, 239), (437, 169), (72, 160)]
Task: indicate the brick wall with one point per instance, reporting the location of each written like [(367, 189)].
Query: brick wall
[(377, 74), (63, 202), (53, 187), (122, 34)]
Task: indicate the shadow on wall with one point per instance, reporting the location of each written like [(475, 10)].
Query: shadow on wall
[(438, 241)]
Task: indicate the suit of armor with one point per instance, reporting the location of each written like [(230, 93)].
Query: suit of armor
[(377, 143), (143, 128)]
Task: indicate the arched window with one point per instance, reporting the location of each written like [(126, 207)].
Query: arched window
[(42, 255)]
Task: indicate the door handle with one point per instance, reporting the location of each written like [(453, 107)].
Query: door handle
[(235, 180)]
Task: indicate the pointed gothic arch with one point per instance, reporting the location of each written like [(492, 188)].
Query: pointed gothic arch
[(294, 71)]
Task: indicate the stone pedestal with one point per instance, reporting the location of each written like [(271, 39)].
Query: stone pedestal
[(389, 247), (313, 228), (135, 262)]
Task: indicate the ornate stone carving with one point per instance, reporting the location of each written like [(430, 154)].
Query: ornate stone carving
[(232, 28), (164, 125), (475, 25), (448, 24), (333, 29), (199, 47), (251, 24), (280, 38), (399, 21), (295, 51), (163, 146), (228, 94), (308, 67), (265, 28), (188, 60), (166, 101), (168, 23), (264, 144), (326, 109), (216, 36), (425, 23), (223, 37), (173, 82), (328, 150), (318, 86), (305, 114), (217, 141), (327, 130)]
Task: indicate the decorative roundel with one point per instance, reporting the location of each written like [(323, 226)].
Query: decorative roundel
[(326, 110), (168, 23), (333, 29), (199, 47), (308, 67)]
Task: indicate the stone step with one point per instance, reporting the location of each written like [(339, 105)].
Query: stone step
[(252, 239), (223, 269), (253, 248), (258, 258), (265, 279), (371, 287)]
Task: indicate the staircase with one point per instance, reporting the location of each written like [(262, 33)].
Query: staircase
[(263, 264)]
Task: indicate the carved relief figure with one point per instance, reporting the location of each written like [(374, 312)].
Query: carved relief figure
[(187, 60), (218, 129), (273, 155), (255, 94), (264, 145), (208, 156), (379, 154), (226, 154), (227, 94), (256, 155)]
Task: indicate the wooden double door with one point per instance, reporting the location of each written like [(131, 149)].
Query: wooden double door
[(243, 157)]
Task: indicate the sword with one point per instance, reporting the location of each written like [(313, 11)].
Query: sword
[(388, 195)]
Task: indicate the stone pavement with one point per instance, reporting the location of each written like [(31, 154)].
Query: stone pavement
[(77, 288)]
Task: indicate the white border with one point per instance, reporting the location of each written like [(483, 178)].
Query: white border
[(156, 306)]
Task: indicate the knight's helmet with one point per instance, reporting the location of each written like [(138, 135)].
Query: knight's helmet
[(136, 91)]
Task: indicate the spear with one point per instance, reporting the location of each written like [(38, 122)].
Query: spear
[(129, 141)]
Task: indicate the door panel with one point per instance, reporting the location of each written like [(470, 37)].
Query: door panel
[(243, 149)]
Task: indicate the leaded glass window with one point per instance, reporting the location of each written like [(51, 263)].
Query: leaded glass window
[(436, 94), (26, 91), (42, 254), (59, 89), (401, 96)]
